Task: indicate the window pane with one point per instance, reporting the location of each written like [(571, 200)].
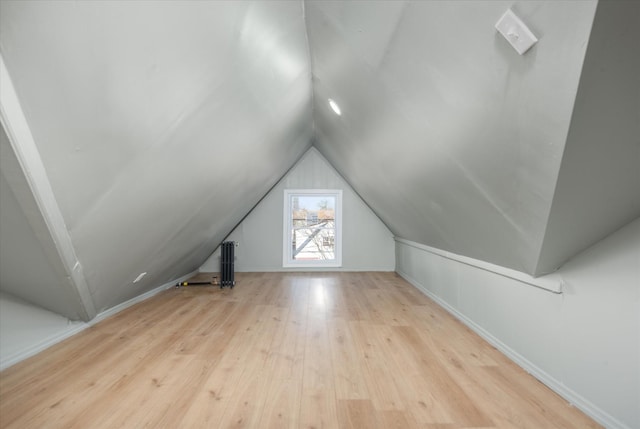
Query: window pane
[(313, 227)]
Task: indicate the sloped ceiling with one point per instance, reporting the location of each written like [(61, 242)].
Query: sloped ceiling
[(26, 242), (454, 139), (161, 124), (598, 189)]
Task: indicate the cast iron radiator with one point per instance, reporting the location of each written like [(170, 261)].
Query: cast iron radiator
[(226, 264)]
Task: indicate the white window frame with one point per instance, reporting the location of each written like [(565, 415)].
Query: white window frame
[(287, 257)]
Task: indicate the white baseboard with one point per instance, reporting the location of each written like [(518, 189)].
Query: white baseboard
[(557, 386), (118, 308), (20, 355), (76, 327), (312, 270)]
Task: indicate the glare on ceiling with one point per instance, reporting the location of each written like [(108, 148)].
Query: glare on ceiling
[(335, 107)]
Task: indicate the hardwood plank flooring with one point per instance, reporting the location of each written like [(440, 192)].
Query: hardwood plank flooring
[(280, 350)]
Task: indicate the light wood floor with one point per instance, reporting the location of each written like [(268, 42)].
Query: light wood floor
[(296, 350)]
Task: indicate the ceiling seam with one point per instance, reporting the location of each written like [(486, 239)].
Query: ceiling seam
[(311, 95)]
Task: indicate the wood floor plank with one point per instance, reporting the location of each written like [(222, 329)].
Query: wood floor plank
[(285, 366), (420, 401), (380, 373), (436, 375), (245, 409), (280, 350), (348, 377), (357, 414), (394, 419), (318, 402), (221, 388)]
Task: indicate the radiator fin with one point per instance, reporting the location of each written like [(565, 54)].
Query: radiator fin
[(227, 264)]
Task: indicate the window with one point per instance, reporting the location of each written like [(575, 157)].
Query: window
[(312, 228)]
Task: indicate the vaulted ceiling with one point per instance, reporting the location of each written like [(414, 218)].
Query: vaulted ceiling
[(159, 125)]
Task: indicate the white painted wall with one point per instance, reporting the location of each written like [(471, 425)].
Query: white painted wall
[(584, 343), (367, 243), (26, 329)]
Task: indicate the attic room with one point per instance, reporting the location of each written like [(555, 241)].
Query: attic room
[(433, 209)]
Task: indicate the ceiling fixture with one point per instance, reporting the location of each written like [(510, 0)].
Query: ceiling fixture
[(516, 32), (334, 106)]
